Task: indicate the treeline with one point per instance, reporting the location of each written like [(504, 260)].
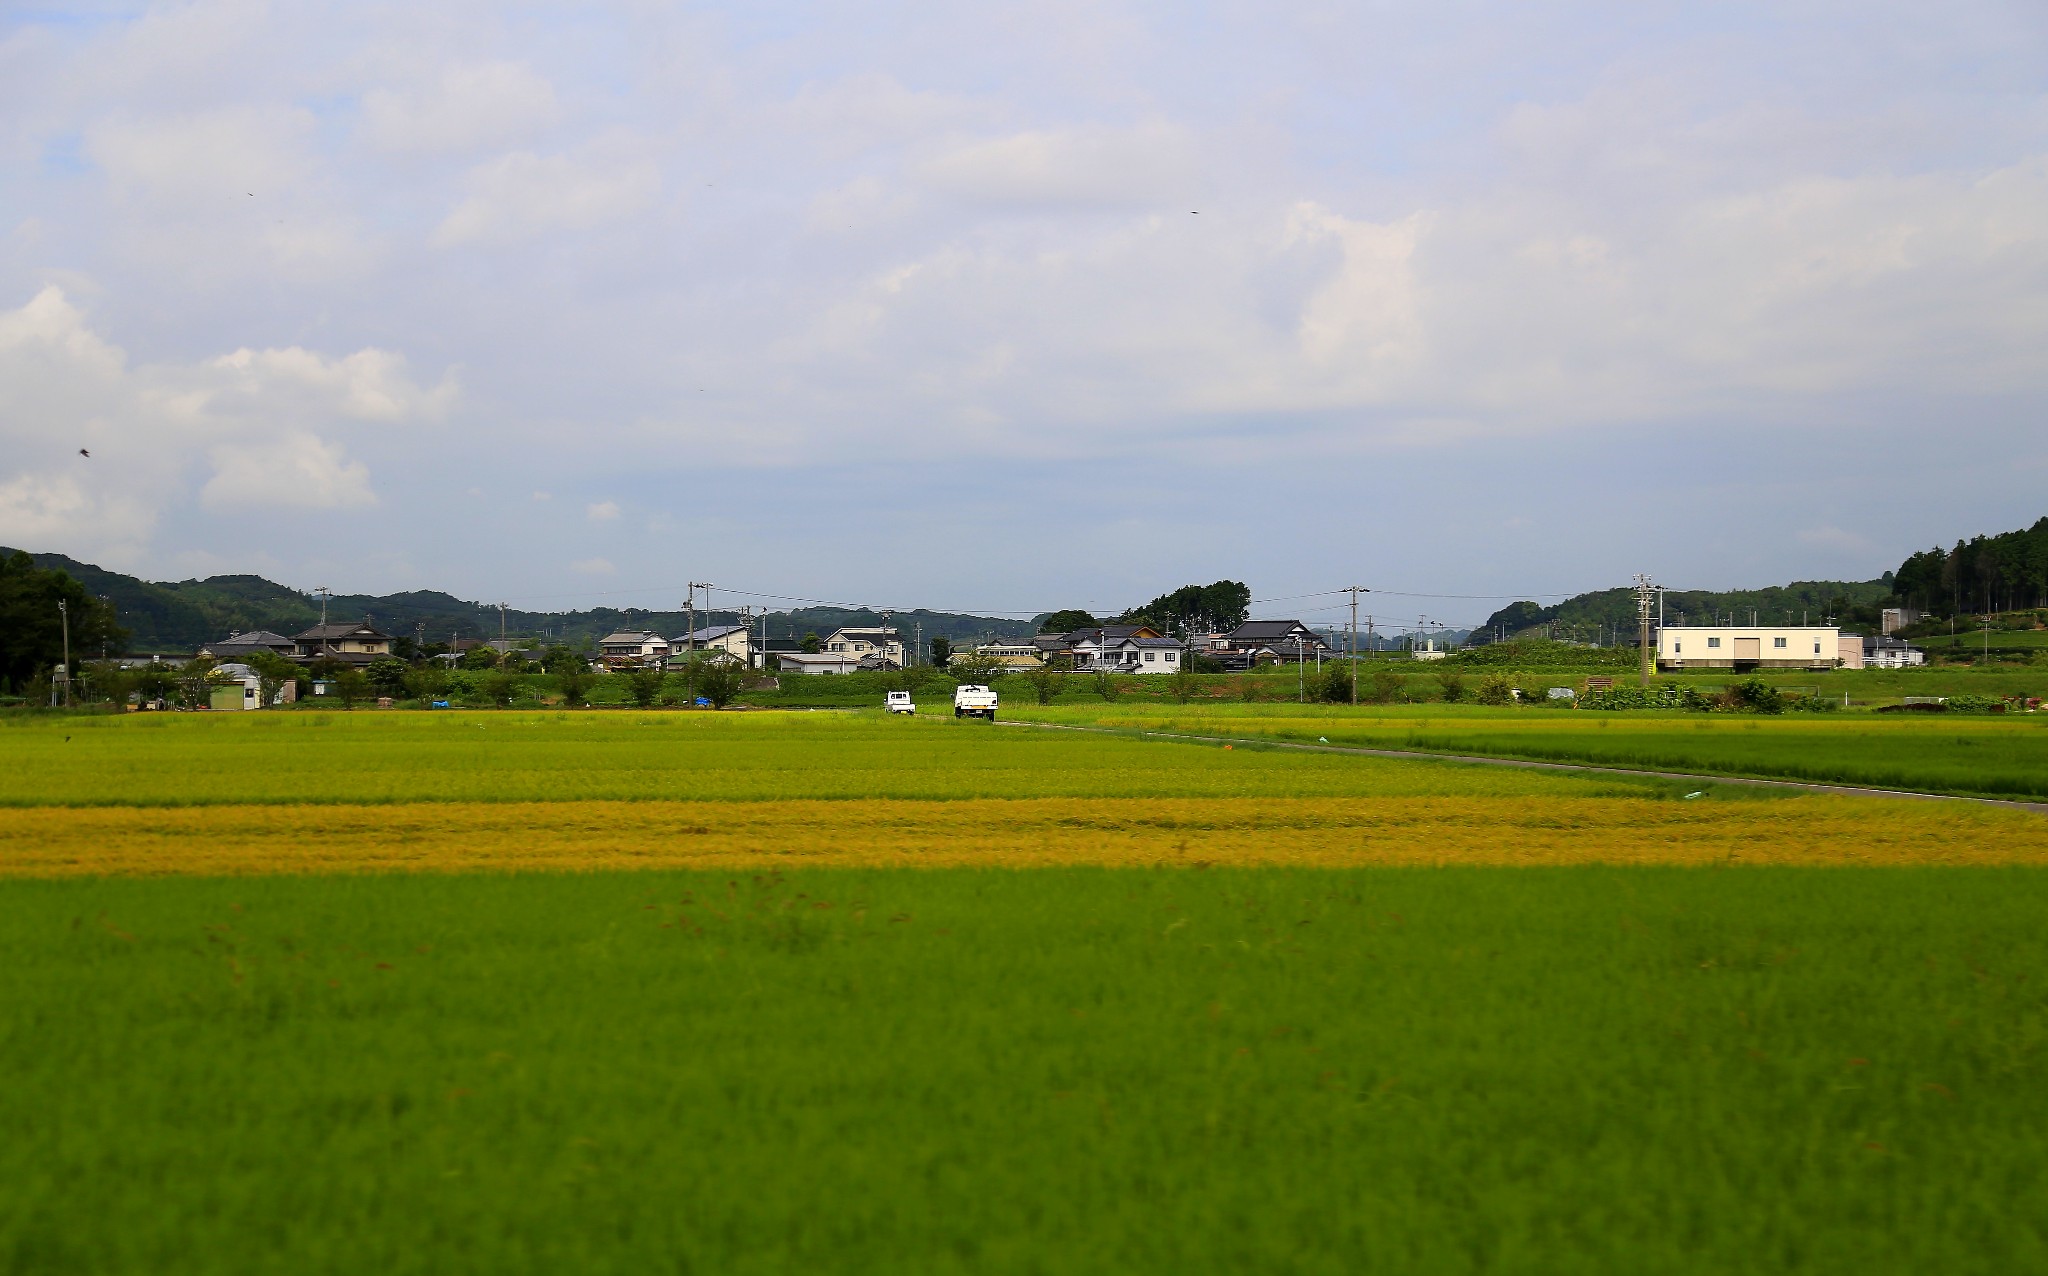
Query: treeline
[(181, 616), (2006, 572)]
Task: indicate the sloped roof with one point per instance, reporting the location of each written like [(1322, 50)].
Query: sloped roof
[(341, 629), (712, 633), (1265, 630), (633, 636)]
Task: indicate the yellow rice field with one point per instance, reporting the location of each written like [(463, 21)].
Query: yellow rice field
[(1014, 833)]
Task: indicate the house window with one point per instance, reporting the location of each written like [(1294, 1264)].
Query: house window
[(1713, 642), (1777, 642), (1677, 647), (1173, 657), (1149, 655), (1816, 649)]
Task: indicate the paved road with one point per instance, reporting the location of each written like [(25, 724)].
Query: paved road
[(1411, 755)]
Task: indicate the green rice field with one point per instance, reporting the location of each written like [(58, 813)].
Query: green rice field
[(544, 991), (1992, 755), (1442, 1071), (371, 757)]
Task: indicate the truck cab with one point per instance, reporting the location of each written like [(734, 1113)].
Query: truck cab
[(898, 702), (970, 701)]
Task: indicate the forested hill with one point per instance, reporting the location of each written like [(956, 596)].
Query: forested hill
[(178, 616), (1598, 617), (2003, 572)]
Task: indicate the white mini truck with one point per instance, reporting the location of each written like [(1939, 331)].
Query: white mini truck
[(970, 701), (898, 702)]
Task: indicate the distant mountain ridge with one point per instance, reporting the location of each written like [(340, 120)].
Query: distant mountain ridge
[(179, 616)]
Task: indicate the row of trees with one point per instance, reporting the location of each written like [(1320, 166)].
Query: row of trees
[(2006, 572)]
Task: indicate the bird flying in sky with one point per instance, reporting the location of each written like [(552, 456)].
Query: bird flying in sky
[(83, 452)]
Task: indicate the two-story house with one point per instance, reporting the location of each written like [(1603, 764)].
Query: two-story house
[(632, 649), (861, 643), (351, 642), (1124, 649), (719, 641)]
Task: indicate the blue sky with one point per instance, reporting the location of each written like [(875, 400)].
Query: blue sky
[(1012, 307)]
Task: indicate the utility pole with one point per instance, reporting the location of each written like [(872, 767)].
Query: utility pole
[(1300, 673), (690, 637), (501, 623), (1645, 591), (324, 594), (64, 617), (1354, 591)]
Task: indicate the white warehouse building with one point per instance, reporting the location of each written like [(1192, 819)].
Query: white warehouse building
[(1745, 647)]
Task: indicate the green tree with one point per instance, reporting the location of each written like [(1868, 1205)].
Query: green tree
[(812, 644), (1451, 684), (1105, 684), (721, 681), (1386, 686), (352, 685), (272, 672), (480, 658), (1496, 689), (942, 651), (644, 685), (427, 683), (560, 658), (106, 680), (1066, 622), (386, 675), (32, 626), (574, 680), (1045, 682), (196, 680), (1183, 684), (499, 687)]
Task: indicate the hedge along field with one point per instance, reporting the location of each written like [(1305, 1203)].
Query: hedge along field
[(1992, 755), (1445, 1071)]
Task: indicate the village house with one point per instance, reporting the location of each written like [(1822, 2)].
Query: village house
[(632, 649), (240, 646), (734, 642), (353, 643), (867, 641)]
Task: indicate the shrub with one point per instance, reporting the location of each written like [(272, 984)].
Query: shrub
[(1386, 686), (574, 680), (1496, 689), (1451, 684), (1754, 695), (498, 687), (1105, 684), (1045, 683), (644, 685), (720, 681)]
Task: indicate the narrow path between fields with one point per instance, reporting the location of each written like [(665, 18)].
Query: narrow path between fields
[(1524, 764)]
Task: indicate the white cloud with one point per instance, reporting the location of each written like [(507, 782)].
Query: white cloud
[(1149, 165), (593, 567), (602, 511), (297, 471), (258, 420), (522, 195), (466, 108)]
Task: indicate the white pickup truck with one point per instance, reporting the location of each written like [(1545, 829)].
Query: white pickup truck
[(898, 702), (970, 701)]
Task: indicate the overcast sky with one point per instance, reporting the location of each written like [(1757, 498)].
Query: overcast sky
[(1012, 307)]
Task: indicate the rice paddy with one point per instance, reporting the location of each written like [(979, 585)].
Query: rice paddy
[(1991, 755), (509, 992)]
